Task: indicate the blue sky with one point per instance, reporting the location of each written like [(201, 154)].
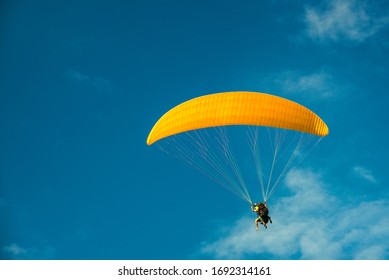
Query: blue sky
[(83, 82)]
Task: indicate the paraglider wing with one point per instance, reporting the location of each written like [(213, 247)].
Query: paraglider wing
[(237, 108)]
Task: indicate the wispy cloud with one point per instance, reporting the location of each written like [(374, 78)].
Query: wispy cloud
[(17, 252), (316, 85), (310, 224), (365, 174), (14, 250), (343, 19), (97, 83)]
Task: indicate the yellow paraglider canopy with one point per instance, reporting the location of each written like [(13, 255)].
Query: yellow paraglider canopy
[(237, 108)]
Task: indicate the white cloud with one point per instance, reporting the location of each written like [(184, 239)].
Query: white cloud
[(317, 85), (365, 174), (309, 224), (343, 19), (95, 82), (373, 252), (15, 251)]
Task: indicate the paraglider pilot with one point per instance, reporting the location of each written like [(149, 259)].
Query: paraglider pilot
[(263, 214)]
